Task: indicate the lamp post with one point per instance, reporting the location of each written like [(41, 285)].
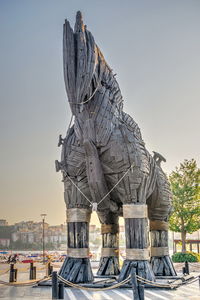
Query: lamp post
[(43, 244)]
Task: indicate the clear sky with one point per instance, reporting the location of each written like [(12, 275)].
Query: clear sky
[(152, 45)]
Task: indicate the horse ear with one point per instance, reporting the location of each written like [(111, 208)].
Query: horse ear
[(80, 58), (84, 64), (69, 61), (79, 26)]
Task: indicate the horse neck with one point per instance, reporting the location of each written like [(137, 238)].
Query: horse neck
[(97, 119), (101, 105)]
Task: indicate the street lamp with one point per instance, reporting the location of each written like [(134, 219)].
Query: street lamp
[(43, 219)]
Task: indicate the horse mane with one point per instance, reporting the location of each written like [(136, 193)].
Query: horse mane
[(85, 68)]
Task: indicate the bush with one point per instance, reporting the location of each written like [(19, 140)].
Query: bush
[(188, 256)]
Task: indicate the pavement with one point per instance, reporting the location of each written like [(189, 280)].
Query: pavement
[(186, 292)]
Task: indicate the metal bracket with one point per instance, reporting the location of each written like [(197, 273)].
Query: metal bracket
[(60, 140), (57, 165), (94, 206), (158, 158)]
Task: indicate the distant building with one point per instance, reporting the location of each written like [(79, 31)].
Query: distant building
[(30, 232), (3, 222), (5, 234), (4, 242)]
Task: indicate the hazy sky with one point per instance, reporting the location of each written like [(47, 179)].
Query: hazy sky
[(152, 45)]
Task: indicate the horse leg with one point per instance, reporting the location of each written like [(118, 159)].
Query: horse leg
[(137, 242), (160, 259), (76, 267), (159, 205), (131, 192), (109, 262)]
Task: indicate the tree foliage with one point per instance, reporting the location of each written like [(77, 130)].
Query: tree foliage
[(185, 185), (182, 257)]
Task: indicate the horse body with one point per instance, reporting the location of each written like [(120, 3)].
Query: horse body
[(104, 161), (120, 146)]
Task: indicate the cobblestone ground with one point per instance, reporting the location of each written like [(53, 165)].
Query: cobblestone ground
[(186, 292)]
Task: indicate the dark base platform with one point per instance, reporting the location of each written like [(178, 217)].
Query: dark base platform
[(162, 266), (77, 270), (143, 269), (108, 266)]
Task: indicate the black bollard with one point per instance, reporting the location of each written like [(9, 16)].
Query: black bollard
[(199, 281), (49, 269), (54, 285), (31, 271), (184, 271), (15, 275), (12, 273), (134, 284), (141, 291), (34, 273), (61, 290), (187, 271)]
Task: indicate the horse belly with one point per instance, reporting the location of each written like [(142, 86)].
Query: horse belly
[(124, 153)]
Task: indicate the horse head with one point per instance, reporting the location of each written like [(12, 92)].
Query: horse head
[(85, 69)]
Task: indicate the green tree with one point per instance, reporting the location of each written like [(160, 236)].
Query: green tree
[(185, 187)]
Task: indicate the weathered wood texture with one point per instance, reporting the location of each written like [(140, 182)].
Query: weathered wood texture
[(161, 265), (109, 265), (138, 288), (159, 202), (159, 238), (136, 238), (143, 269), (104, 142), (110, 240), (136, 233), (77, 269), (78, 234)]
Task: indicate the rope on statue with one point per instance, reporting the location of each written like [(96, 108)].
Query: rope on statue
[(95, 205), (90, 98)]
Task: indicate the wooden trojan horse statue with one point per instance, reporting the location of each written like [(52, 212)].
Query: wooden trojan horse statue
[(107, 168)]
